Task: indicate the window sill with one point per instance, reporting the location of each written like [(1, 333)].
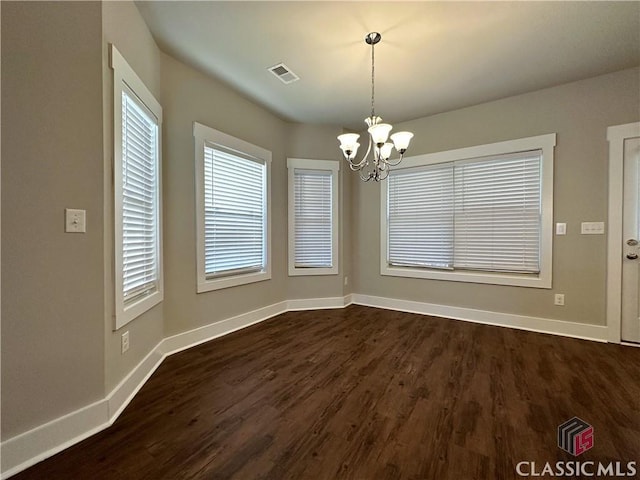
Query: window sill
[(309, 272), (543, 280), (209, 285), (127, 314)]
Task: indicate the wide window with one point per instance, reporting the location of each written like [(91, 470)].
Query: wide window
[(232, 179), (137, 167), (313, 217), (481, 214)]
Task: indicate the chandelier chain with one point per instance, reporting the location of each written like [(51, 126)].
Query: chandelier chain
[(372, 80)]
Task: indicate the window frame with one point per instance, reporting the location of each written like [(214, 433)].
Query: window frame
[(203, 136), (123, 75), (545, 143), (332, 166)]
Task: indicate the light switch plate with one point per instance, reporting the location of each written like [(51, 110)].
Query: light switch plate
[(561, 228), (592, 228), (75, 220)]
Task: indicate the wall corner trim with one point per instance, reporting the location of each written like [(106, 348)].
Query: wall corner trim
[(28, 448)]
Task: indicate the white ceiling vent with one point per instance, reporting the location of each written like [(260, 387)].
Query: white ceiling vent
[(284, 73)]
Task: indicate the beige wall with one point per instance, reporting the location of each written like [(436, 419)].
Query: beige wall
[(188, 96), (320, 143), (53, 295), (579, 113), (123, 26)]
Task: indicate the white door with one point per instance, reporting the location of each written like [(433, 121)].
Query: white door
[(631, 242)]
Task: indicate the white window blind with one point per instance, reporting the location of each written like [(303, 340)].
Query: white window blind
[(234, 210), (313, 218), (497, 213), (140, 228), (478, 214), (420, 217)]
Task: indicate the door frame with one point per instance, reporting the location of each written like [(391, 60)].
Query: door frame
[(616, 135)]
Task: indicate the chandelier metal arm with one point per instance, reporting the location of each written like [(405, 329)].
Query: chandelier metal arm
[(377, 174), (393, 164), (367, 177), (379, 171), (359, 165)]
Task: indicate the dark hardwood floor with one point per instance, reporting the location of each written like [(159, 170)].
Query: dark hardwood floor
[(363, 393)]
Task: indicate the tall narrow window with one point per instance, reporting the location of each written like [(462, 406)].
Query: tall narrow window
[(232, 180), (313, 217), (234, 213), (137, 120), (480, 214), (139, 199)]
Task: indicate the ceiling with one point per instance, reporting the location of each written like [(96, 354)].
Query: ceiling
[(433, 57)]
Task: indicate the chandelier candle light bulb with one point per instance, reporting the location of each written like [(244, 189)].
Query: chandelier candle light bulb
[(379, 133), (376, 168), (385, 151), (401, 141), (349, 144)]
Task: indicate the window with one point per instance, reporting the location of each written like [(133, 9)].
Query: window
[(232, 191), (137, 187), (480, 214), (313, 217)]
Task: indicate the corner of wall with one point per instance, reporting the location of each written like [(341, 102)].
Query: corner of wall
[(123, 26)]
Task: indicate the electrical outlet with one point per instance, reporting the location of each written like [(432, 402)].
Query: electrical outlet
[(346, 281), (559, 299), (592, 228), (125, 341)]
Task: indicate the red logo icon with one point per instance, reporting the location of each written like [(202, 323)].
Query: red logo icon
[(575, 436)]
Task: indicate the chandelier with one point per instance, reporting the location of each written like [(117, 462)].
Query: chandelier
[(376, 168)]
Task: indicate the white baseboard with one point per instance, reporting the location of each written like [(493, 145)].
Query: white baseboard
[(27, 449), (318, 303), (185, 340), (533, 324), (33, 446), (44, 441), (124, 392)]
